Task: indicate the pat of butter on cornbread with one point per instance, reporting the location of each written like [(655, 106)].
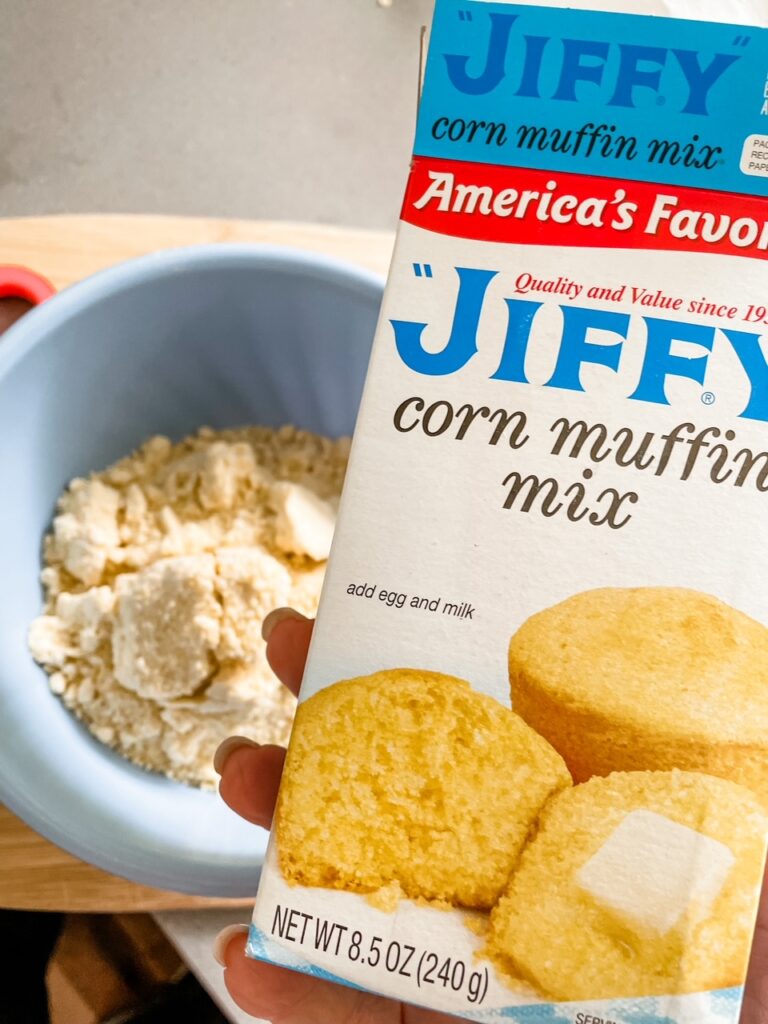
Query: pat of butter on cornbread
[(646, 678), (382, 784), (651, 870), (641, 883)]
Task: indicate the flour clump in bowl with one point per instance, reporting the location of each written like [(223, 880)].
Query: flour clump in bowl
[(158, 573)]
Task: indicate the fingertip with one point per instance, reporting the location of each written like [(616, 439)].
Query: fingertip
[(228, 747), (230, 943), (275, 617), (250, 781), (287, 650)]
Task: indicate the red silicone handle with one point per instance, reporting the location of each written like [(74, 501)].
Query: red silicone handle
[(20, 283)]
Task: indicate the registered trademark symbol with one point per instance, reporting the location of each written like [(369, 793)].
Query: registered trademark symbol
[(708, 398)]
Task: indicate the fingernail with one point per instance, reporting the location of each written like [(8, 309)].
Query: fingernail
[(228, 747), (276, 616), (224, 938)]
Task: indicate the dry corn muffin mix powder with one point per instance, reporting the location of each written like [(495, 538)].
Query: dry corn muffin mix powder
[(528, 777), (158, 573)]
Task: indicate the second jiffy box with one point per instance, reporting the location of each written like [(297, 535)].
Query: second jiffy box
[(528, 777)]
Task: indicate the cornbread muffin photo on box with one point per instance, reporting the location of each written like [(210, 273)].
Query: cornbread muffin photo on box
[(411, 782), (648, 678), (638, 884)]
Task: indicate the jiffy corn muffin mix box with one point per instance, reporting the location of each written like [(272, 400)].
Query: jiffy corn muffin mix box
[(528, 777)]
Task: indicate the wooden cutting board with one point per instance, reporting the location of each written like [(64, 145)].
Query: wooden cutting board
[(35, 874)]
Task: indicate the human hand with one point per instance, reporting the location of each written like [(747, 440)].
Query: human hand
[(755, 1009), (250, 777)]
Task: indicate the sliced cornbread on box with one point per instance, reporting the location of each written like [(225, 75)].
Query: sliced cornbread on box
[(638, 884), (646, 678), (382, 783)]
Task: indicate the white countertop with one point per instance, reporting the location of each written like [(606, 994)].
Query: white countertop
[(298, 110), (192, 932)]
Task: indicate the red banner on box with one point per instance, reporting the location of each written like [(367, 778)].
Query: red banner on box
[(492, 203)]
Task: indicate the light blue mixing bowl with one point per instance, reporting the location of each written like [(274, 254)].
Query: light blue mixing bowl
[(213, 335)]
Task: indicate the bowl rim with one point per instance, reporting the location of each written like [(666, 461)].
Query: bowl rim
[(157, 869), (34, 326)]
